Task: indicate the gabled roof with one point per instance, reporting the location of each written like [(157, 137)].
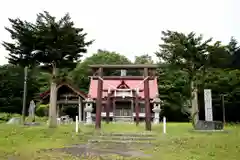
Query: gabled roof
[(132, 84), (73, 88)]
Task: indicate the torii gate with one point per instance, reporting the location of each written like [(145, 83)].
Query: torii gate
[(149, 73)]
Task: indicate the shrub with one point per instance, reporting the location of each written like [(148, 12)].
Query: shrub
[(42, 110), (4, 117)]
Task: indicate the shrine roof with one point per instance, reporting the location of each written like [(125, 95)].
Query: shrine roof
[(131, 84), (73, 88)]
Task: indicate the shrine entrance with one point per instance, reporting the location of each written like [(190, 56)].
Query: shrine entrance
[(123, 109)]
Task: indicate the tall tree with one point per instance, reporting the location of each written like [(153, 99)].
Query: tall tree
[(186, 52), (58, 42), (234, 51)]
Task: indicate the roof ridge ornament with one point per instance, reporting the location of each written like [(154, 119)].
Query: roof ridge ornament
[(124, 84)]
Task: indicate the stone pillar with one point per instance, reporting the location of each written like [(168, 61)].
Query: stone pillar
[(88, 109)]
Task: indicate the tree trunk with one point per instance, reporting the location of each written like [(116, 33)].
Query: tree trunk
[(194, 104), (53, 101)]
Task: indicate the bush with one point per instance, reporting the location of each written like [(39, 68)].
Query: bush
[(42, 110), (37, 119), (4, 117)]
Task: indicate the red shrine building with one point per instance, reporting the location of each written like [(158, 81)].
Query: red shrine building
[(123, 97)]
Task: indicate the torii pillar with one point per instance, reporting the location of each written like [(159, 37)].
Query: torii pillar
[(147, 101), (99, 99), (107, 106), (137, 107)]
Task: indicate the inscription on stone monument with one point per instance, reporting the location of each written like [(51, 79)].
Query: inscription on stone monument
[(208, 105)]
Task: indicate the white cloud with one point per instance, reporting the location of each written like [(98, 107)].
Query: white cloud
[(131, 27)]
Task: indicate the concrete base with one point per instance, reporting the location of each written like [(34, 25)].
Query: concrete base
[(209, 131), (209, 125)]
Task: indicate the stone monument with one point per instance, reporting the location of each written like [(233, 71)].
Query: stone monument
[(208, 124), (208, 105), (31, 110)]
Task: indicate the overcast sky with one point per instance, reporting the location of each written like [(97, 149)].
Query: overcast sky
[(131, 27)]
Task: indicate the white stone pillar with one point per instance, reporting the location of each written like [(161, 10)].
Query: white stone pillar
[(88, 109), (76, 127), (156, 110)]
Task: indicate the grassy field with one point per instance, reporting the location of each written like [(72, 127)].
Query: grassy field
[(179, 143)]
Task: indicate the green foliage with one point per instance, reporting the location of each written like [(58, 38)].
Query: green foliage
[(4, 117), (42, 110), (60, 43), (173, 87), (187, 52), (11, 88), (218, 56), (143, 59), (43, 79)]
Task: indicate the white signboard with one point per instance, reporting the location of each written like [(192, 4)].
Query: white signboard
[(208, 105), (123, 72)]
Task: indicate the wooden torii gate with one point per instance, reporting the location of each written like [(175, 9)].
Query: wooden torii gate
[(148, 73)]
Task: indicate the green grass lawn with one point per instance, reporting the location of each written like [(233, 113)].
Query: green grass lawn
[(178, 144)]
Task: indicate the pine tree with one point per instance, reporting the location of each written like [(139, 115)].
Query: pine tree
[(48, 42)]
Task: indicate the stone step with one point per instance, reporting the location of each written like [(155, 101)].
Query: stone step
[(123, 119), (128, 134), (92, 141), (126, 138)]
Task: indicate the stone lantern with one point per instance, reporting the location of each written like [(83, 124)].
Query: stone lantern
[(88, 109), (156, 109)]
